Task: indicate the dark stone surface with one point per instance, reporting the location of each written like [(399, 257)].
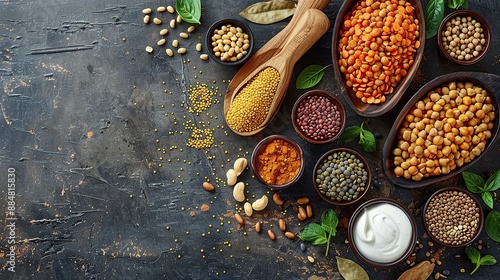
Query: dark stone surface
[(80, 103)]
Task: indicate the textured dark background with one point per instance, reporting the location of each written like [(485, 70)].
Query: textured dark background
[(80, 103)]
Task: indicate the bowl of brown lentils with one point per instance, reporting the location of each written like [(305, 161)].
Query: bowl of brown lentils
[(453, 217), (229, 42), (318, 117), (341, 176), (464, 37)]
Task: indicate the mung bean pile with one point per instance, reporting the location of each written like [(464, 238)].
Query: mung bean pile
[(452, 217), (463, 38), (251, 105), (446, 129), (377, 47), (341, 176)]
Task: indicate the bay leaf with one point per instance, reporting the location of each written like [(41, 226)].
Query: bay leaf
[(421, 271), (350, 270), (268, 12)]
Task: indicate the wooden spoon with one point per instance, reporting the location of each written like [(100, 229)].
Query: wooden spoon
[(304, 33)]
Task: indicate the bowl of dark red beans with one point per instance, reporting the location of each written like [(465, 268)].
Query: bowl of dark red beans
[(318, 117)]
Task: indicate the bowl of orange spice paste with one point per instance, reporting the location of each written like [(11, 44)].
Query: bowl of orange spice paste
[(377, 48), (277, 161)]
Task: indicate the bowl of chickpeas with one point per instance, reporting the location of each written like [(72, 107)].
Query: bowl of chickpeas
[(229, 42), (377, 47), (463, 37), (446, 127)]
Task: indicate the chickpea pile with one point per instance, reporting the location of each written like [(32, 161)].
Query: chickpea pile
[(446, 129), (463, 38), (377, 46)]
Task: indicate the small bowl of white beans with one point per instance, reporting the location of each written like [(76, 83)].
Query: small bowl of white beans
[(229, 42), (463, 37)]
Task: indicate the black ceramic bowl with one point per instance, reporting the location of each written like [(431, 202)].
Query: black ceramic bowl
[(211, 42), (323, 193), (278, 149), (334, 101), (488, 82), (461, 14), (382, 232), (474, 231)]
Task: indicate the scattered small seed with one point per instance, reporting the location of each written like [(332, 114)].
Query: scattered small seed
[(191, 28), (184, 35), (161, 42), (179, 19), (282, 224), (462, 270), (204, 56), (271, 235), (309, 211), (175, 43), (146, 19), (161, 9), (163, 32), (239, 219), (303, 247), (146, 11), (172, 23), (198, 47), (289, 235), (303, 200), (157, 21), (446, 272), (248, 208), (257, 227), (437, 275), (149, 49), (310, 259), (302, 213), (170, 9), (169, 52)]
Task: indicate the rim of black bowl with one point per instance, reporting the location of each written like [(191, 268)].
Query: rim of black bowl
[(486, 32), (358, 212), (234, 22), (349, 202), (489, 82), (256, 150), (334, 99), (478, 204)]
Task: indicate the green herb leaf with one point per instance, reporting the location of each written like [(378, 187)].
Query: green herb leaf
[(329, 221), (473, 254), (493, 183), (310, 76), (189, 10), (488, 260), (473, 182), (488, 199), (268, 12), (367, 141), (350, 134), (434, 14), (492, 225), (456, 4), (313, 233)]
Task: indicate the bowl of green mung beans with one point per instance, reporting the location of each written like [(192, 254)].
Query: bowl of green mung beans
[(341, 176)]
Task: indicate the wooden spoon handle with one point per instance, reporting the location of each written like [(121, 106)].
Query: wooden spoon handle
[(309, 27)]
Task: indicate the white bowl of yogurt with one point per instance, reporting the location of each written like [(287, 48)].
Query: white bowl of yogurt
[(382, 232)]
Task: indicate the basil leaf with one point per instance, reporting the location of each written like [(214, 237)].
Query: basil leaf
[(473, 182), (310, 76), (473, 254), (488, 199), (493, 183), (492, 225), (189, 10), (434, 14), (329, 221), (350, 134), (488, 260), (367, 141), (313, 233), (268, 12)]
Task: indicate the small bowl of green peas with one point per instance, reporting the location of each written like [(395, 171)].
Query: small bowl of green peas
[(341, 176)]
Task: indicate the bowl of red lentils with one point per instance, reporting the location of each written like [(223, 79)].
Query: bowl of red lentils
[(447, 126), (453, 217), (318, 117), (463, 37), (377, 47), (341, 177), (229, 42), (277, 161)]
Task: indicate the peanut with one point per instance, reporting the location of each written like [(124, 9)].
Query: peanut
[(182, 50), (146, 19), (290, 235), (170, 9), (204, 56), (146, 11), (277, 199), (169, 52), (161, 9), (239, 165), (309, 211), (183, 35), (231, 177), (271, 235), (239, 219), (302, 213), (282, 224), (260, 204), (208, 186), (163, 31), (157, 21), (303, 200), (239, 192)]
